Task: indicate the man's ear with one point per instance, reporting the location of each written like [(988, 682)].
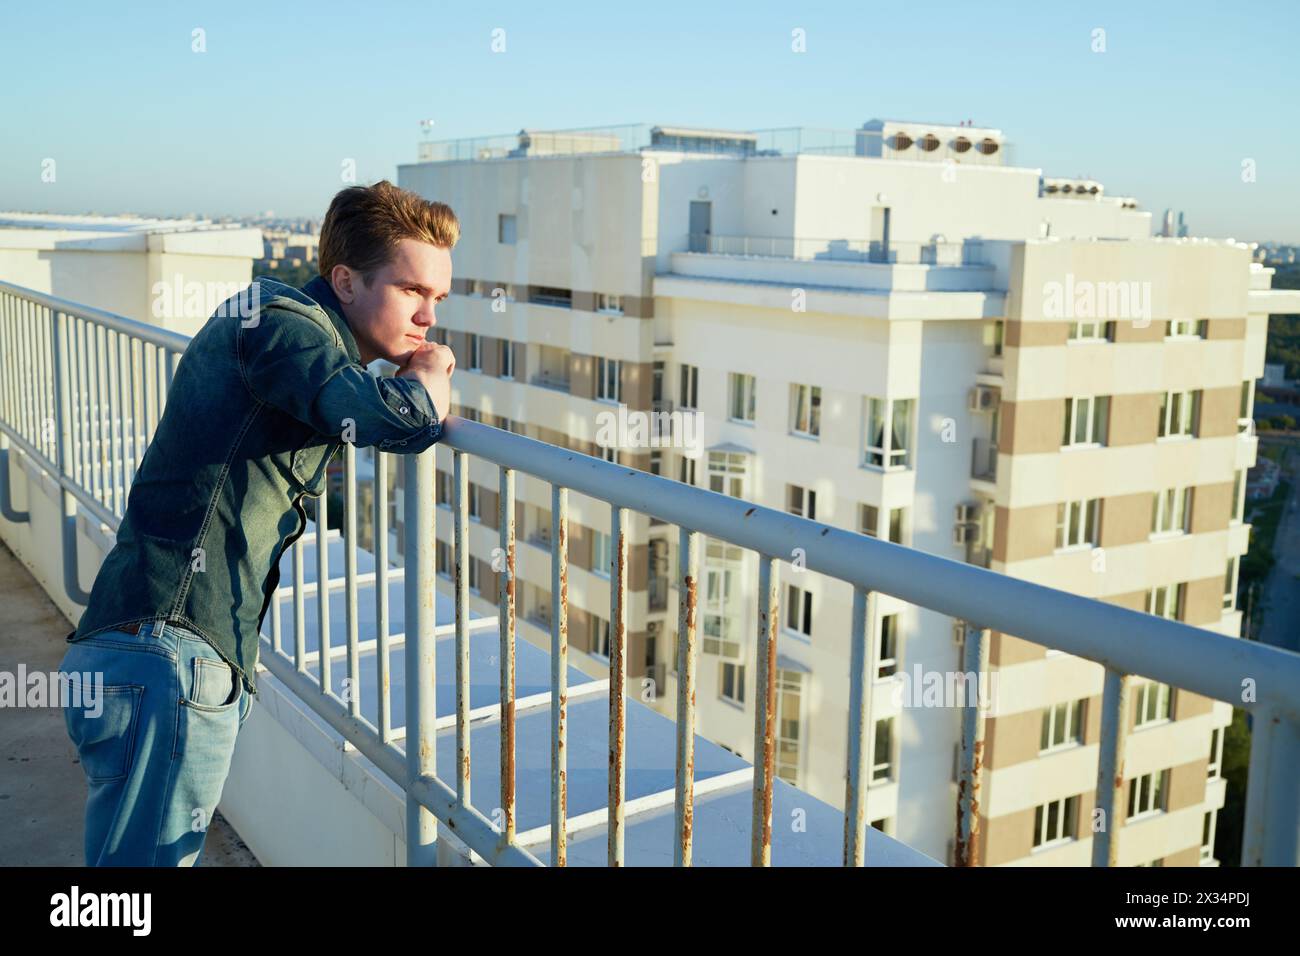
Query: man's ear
[(342, 280)]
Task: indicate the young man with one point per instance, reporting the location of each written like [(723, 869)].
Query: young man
[(263, 398)]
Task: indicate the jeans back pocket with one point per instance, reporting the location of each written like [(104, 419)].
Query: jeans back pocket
[(105, 739)]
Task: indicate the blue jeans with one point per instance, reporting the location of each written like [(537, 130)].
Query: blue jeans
[(157, 744)]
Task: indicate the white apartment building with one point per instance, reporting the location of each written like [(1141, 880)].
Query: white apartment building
[(890, 330)]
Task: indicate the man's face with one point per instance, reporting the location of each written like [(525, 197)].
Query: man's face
[(392, 315)]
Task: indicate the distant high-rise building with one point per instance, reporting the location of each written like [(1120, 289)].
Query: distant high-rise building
[(1167, 227)]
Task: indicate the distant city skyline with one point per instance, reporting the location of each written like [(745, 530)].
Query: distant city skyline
[(1180, 106)]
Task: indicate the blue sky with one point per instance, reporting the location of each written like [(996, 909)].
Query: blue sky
[(136, 121)]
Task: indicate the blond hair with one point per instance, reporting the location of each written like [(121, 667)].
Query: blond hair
[(364, 224)]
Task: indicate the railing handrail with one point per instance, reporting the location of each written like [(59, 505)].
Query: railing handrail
[(152, 334)]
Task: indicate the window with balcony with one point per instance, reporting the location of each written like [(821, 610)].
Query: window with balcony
[(887, 647), (1076, 524), (1230, 584), (869, 520), (898, 525), (686, 471), (806, 410), (609, 380), (1153, 704), (801, 501), (888, 437), (1245, 412), (1055, 821), (1179, 412), (798, 610), (1166, 601), (506, 229), (1239, 496), (882, 755), (789, 723), (1185, 329), (742, 397), (609, 304), (552, 368), (1062, 726), (1147, 793), (688, 395), (727, 472), (1207, 837), (1086, 421), (1171, 512), (721, 609)]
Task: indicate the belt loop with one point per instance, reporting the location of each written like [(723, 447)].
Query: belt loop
[(158, 626)]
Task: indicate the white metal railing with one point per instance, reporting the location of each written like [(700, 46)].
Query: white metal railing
[(85, 415), (935, 252)]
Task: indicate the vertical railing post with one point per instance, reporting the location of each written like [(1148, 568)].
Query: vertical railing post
[(461, 558), (684, 803), (62, 448), (352, 694), (862, 658), (617, 681), (382, 648), (765, 713), (1110, 767), (559, 674), (506, 625), (970, 767), (323, 587), (421, 705), (1272, 830)]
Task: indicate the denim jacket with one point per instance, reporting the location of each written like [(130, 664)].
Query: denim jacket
[(261, 401)]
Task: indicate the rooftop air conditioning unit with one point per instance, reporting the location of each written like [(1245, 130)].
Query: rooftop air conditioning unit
[(984, 398)]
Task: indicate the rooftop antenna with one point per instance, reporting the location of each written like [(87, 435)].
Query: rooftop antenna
[(426, 127)]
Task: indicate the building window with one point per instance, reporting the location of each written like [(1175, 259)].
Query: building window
[(609, 453), (727, 472), (472, 567), (507, 362), (1086, 420), (789, 725), (998, 333), (506, 229), (743, 397), (733, 682), (601, 554), (1153, 704), (1054, 822), (869, 520), (551, 295), (689, 393), (1092, 331), (1239, 495), (609, 380), (687, 471), (1245, 414), (1062, 726), (806, 410), (475, 363), (882, 756), (887, 650), (798, 610), (1185, 329), (1146, 794), (599, 637), (1178, 414), (1207, 837), (897, 525), (723, 565), (612, 304), (1230, 584), (1165, 601), (1172, 511), (801, 501), (444, 559), (889, 429), (656, 462), (475, 514), (1215, 766), (1076, 524)]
